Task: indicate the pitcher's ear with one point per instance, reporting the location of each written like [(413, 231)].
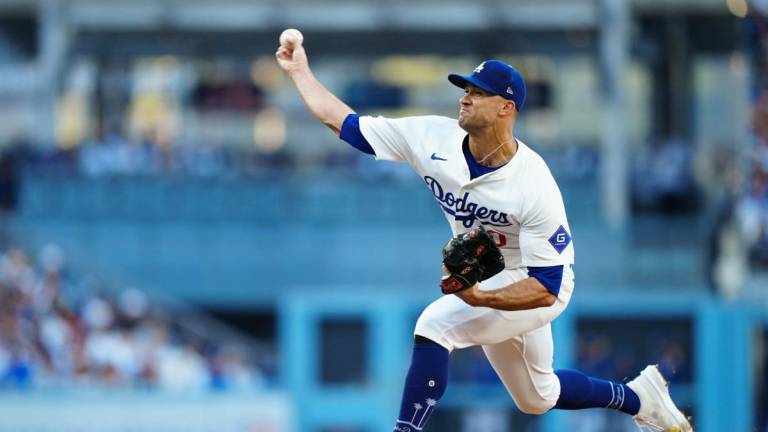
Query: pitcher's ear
[(508, 107)]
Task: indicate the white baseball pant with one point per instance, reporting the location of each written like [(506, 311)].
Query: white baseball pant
[(517, 343)]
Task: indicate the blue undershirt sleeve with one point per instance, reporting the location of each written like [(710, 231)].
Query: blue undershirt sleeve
[(550, 277), (350, 132)]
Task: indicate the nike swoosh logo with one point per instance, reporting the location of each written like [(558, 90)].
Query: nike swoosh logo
[(436, 157)]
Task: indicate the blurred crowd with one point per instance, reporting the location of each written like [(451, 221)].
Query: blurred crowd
[(56, 329), (752, 209), (114, 154), (738, 241)]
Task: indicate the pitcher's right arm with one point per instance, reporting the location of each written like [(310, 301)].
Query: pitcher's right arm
[(323, 104)]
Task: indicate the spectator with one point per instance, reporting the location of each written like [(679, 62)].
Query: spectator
[(120, 342)]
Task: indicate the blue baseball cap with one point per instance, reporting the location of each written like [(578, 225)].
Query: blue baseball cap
[(495, 77)]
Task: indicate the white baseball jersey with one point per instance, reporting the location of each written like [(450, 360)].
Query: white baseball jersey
[(519, 203)]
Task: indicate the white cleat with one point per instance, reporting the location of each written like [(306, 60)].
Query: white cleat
[(657, 411)]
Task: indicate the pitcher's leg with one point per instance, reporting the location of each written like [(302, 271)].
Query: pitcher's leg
[(524, 365), (449, 323), (424, 385)]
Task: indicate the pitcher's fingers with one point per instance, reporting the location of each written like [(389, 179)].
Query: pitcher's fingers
[(284, 53)]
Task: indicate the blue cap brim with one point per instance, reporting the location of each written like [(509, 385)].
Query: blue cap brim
[(462, 81)]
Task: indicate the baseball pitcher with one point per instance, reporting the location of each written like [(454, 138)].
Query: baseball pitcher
[(508, 268)]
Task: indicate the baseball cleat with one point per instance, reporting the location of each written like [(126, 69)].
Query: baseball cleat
[(657, 411)]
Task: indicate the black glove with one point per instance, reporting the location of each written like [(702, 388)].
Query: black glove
[(469, 258)]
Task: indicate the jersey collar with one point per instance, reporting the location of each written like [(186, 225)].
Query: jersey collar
[(475, 169)]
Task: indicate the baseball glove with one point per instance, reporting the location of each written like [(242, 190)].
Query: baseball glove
[(469, 258)]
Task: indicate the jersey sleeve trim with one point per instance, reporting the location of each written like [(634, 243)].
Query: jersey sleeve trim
[(350, 132), (551, 277)]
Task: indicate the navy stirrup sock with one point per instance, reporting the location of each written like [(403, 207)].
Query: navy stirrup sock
[(578, 391), (424, 384)]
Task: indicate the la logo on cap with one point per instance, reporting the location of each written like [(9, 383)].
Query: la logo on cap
[(479, 68)]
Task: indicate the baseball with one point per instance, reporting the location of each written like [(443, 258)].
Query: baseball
[(291, 38)]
